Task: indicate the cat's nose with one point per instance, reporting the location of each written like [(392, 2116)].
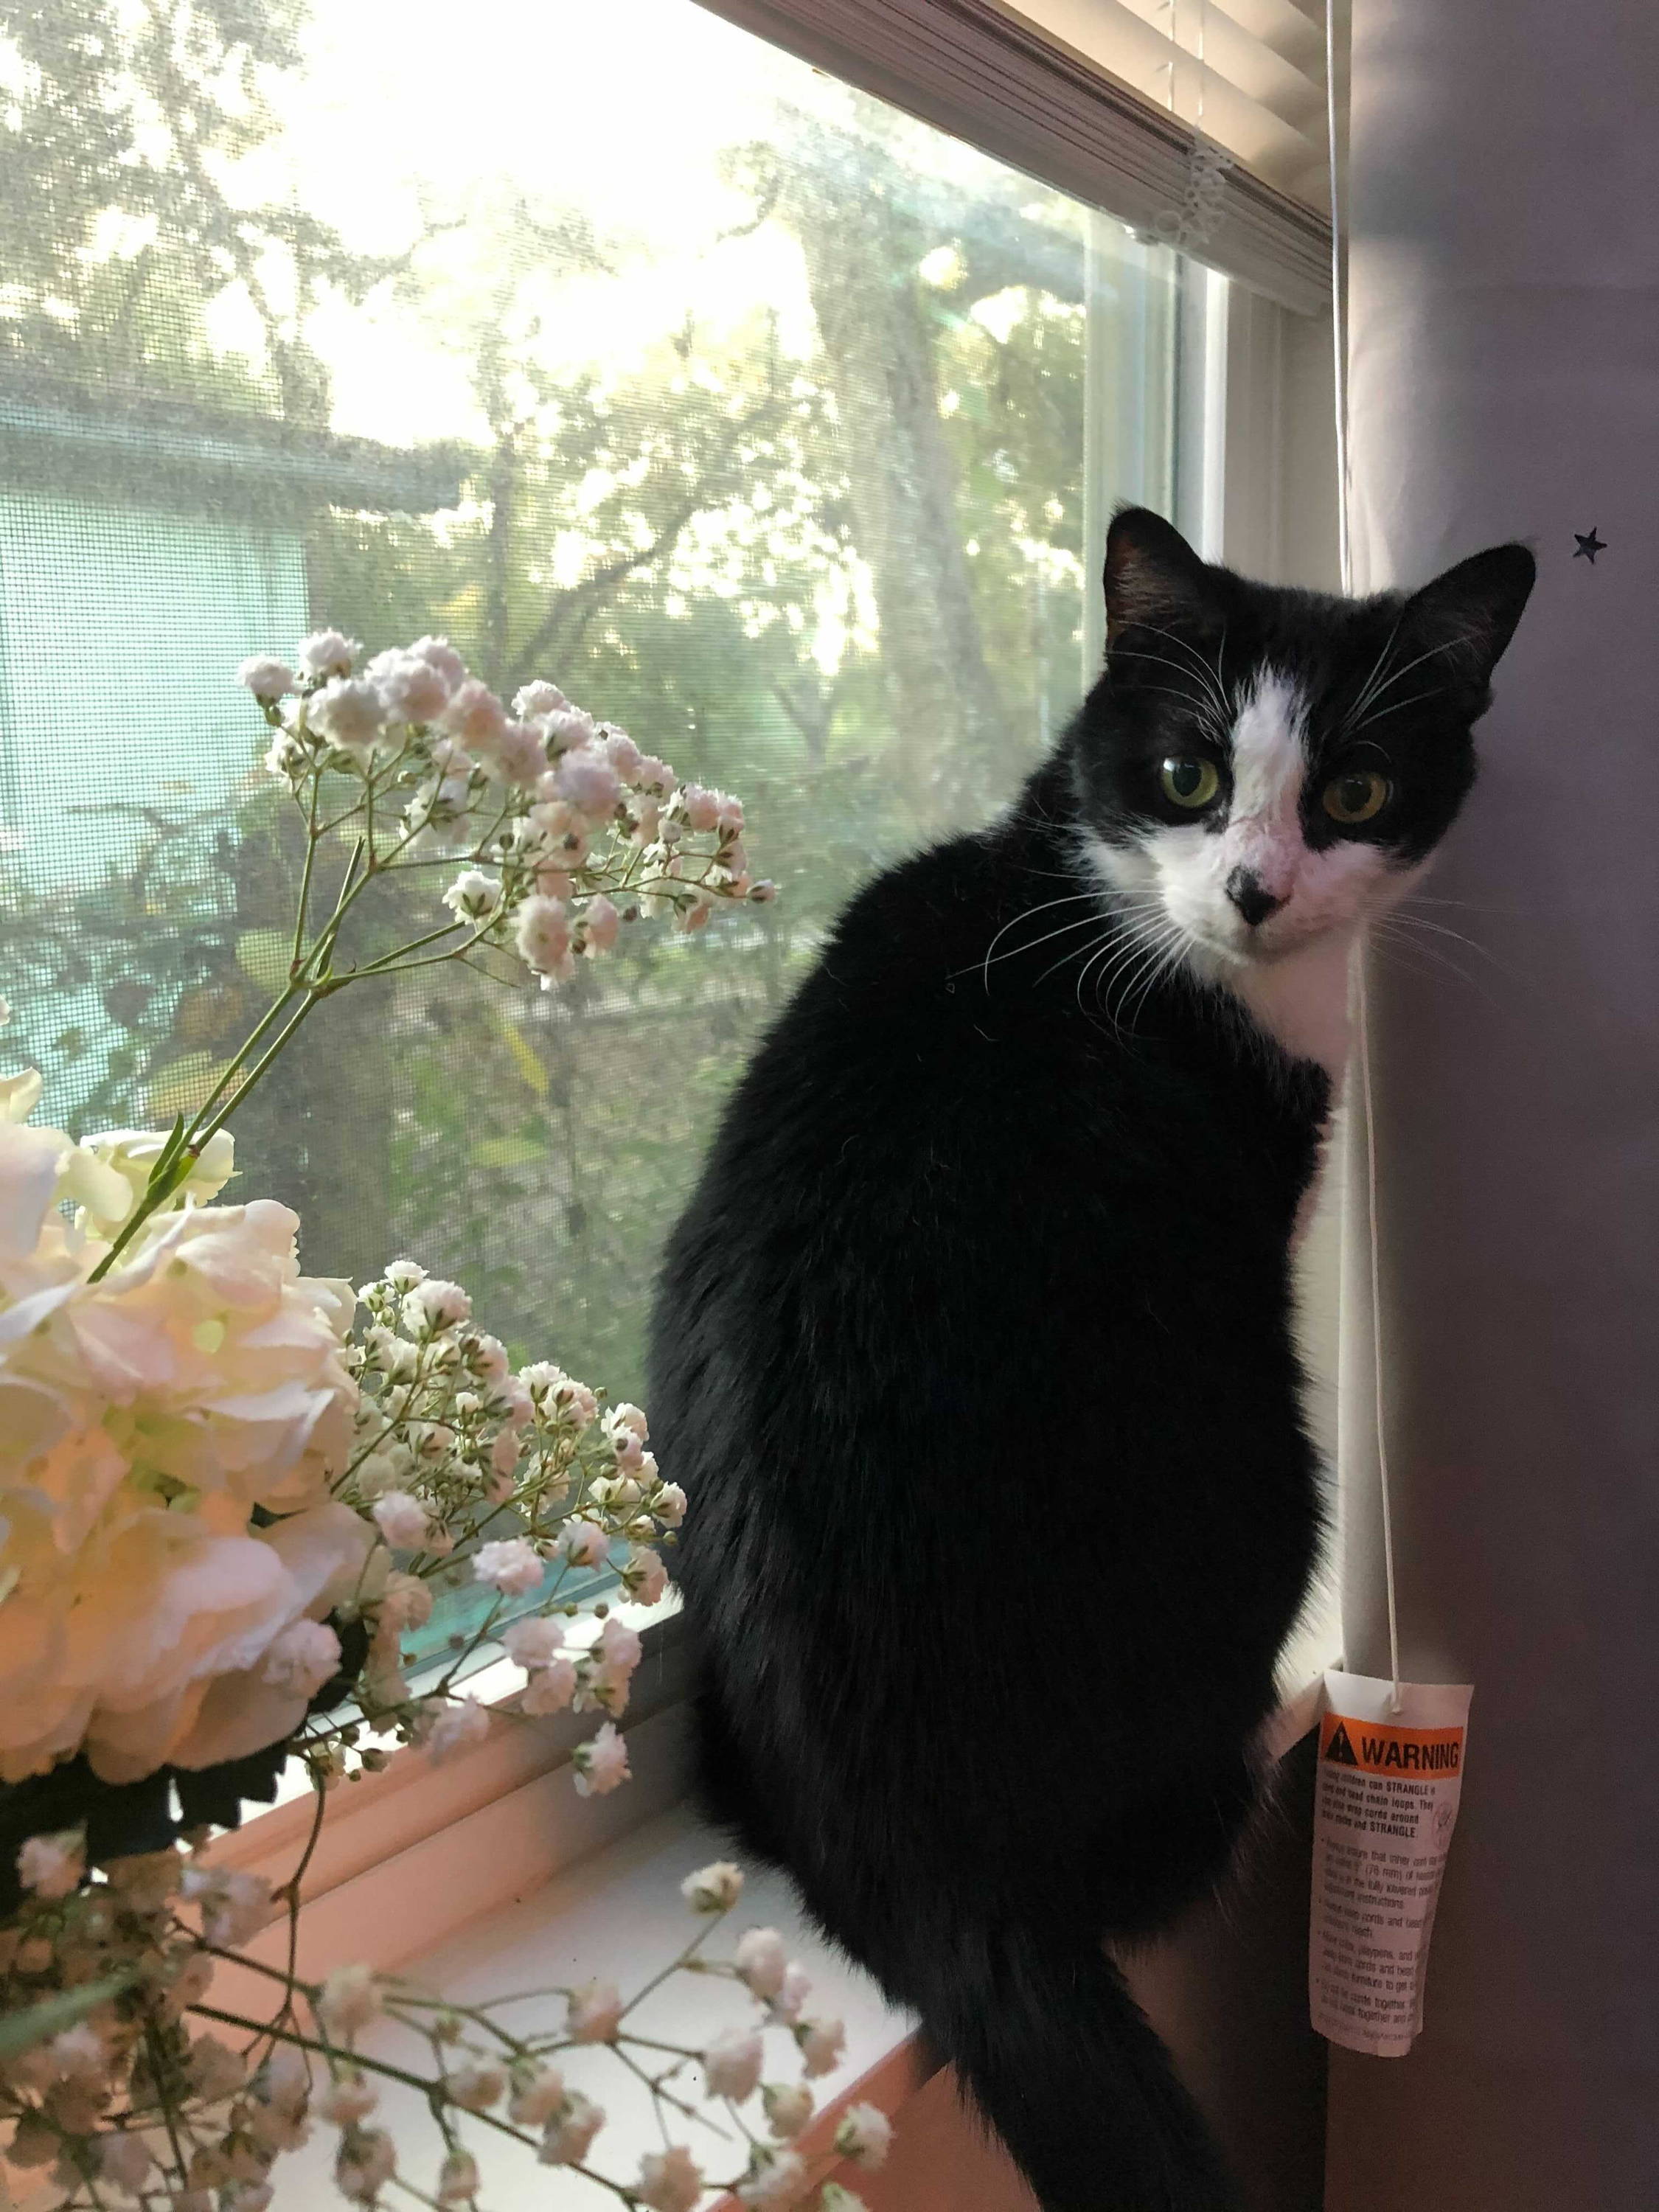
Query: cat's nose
[(1251, 895)]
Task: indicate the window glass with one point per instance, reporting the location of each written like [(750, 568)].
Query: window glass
[(621, 349)]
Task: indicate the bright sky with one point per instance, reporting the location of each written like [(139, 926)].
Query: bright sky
[(620, 106)]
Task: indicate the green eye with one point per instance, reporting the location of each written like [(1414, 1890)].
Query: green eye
[(1192, 783), (1357, 796)]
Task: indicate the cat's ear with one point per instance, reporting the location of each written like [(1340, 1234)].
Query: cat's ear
[(1153, 577), (1461, 622)]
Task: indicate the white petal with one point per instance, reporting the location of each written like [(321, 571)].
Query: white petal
[(31, 1161)]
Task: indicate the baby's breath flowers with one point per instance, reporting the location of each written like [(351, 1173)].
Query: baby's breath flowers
[(554, 832), (230, 1495), (139, 2085), (560, 828), (521, 1484)]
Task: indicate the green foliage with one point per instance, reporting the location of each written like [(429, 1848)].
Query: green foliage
[(23, 2030), (116, 226), (757, 561)]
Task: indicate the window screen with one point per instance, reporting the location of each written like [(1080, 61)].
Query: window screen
[(623, 349)]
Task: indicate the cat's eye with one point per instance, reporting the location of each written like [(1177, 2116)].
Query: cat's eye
[(1191, 783), (1357, 796)]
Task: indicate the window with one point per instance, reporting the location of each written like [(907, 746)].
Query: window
[(773, 425)]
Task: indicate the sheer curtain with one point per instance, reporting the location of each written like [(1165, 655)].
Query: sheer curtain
[(1505, 285)]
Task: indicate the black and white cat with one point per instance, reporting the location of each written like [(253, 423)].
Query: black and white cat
[(974, 1348)]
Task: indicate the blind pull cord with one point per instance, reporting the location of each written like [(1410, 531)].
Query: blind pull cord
[(1345, 554)]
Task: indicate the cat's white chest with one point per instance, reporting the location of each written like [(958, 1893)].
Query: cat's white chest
[(1301, 1001)]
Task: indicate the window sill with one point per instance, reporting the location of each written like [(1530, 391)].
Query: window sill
[(493, 1875), (386, 1827)]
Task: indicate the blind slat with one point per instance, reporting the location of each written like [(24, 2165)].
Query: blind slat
[(1205, 65), (992, 74)]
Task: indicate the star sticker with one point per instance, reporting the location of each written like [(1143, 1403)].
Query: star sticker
[(1589, 546)]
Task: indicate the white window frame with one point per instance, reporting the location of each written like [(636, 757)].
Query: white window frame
[(409, 1856), (978, 70), (1276, 491)]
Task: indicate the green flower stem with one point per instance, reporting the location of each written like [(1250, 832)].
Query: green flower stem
[(272, 1013), (676, 1965), (335, 2054), (303, 909), (389, 959), (429, 2090), (660, 2096), (419, 2195), (201, 1132), (437, 959), (152, 2044)]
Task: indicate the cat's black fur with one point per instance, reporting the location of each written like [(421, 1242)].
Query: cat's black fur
[(973, 1351)]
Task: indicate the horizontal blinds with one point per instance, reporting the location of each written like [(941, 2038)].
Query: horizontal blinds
[(1107, 100), (1250, 74)]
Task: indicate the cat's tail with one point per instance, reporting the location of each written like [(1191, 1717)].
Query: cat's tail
[(1063, 2064)]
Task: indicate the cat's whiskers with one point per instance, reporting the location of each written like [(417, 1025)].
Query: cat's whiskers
[(1470, 906), (1400, 927), (1111, 934), (1417, 699), (1404, 918), (1389, 941), (1104, 951), (1363, 697), (1210, 678), (1124, 935), (1167, 961), (1144, 955), (1413, 958), (1030, 913), (1082, 922), (1368, 697), (1215, 716)]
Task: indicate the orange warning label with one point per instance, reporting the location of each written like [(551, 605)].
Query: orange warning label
[(1381, 1747)]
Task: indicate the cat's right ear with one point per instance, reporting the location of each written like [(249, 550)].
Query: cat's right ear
[(1463, 622), (1153, 577)]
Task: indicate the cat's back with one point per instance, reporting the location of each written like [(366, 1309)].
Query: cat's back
[(948, 1167), (907, 1063)]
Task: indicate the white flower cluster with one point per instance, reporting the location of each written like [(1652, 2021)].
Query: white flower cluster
[(147, 1415), (225, 1486), (566, 829), (471, 1473), (134, 2099)]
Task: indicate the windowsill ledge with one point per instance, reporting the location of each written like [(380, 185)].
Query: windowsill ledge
[(523, 1885), (516, 1775)]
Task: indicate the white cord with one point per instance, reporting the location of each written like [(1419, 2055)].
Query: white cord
[(1339, 321), (1339, 361), (1376, 1332)]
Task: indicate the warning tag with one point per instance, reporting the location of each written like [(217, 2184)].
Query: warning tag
[(1387, 1799)]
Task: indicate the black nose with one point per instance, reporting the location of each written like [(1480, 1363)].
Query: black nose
[(1251, 895)]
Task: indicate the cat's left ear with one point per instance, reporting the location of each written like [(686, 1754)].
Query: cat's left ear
[(1463, 622), (1153, 577)]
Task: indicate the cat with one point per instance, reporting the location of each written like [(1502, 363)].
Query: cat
[(974, 1347)]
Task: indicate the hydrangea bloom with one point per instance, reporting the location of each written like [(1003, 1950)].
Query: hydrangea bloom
[(142, 1419), (207, 1476)]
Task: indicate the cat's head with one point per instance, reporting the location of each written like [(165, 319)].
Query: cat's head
[(1263, 769)]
